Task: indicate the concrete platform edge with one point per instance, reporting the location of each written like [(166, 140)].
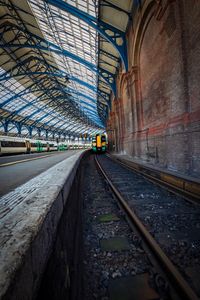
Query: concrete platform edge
[(27, 233)]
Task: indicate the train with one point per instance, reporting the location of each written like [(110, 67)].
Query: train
[(15, 145), (99, 143)]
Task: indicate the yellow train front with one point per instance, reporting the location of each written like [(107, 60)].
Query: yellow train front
[(99, 143)]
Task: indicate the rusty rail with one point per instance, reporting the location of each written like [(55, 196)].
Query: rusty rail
[(179, 282)]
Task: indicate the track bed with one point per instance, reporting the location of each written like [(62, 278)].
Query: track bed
[(116, 265), (171, 220)]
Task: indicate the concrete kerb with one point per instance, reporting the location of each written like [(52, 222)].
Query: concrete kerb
[(28, 229)]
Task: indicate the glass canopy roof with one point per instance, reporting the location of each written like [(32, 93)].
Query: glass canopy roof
[(56, 69)]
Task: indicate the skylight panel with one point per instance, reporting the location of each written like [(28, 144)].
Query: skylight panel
[(14, 105), (27, 112), (74, 35)]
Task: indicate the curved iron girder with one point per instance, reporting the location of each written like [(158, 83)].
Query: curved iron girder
[(93, 113), (16, 72), (37, 98), (109, 4), (32, 73), (37, 109), (66, 90), (43, 107), (49, 114), (12, 115), (34, 125), (69, 126), (103, 111), (10, 25), (27, 92), (106, 76), (35, 112), (109, 32), (104, 96), (60, 74), (45, 45)]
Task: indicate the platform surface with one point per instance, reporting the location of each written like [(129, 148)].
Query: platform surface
[(18, 169)]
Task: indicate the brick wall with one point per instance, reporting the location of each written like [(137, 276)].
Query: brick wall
[(157, 111)]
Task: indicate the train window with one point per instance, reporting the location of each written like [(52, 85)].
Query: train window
[(103, 138), (33, 145), (4, 144), (12, 144)]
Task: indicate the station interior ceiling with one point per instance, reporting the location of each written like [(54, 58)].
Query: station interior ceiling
[(58, 64)]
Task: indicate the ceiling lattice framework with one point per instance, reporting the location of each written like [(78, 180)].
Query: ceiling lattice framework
[(59, 59)]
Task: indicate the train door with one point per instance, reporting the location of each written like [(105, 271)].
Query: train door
[(98, 139), (39, 146), (103, 142), (28, 146)]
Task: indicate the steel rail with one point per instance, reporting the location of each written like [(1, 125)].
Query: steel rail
[(164, 184), (178, 280)]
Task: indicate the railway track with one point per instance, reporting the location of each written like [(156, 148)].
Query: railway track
[(147, 266), (168, 224), (190, 190), (139, 241), (113, 256)]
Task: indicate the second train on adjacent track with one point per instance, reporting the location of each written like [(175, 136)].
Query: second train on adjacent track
[(15, 145)]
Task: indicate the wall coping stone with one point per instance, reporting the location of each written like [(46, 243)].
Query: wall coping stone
[(31, 210)]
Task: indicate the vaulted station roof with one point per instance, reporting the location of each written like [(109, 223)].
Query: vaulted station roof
[(58, 62)]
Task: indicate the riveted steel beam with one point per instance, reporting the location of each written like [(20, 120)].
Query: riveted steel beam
[(116, 37), (42, 44), (109, 4), (7, 76)]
